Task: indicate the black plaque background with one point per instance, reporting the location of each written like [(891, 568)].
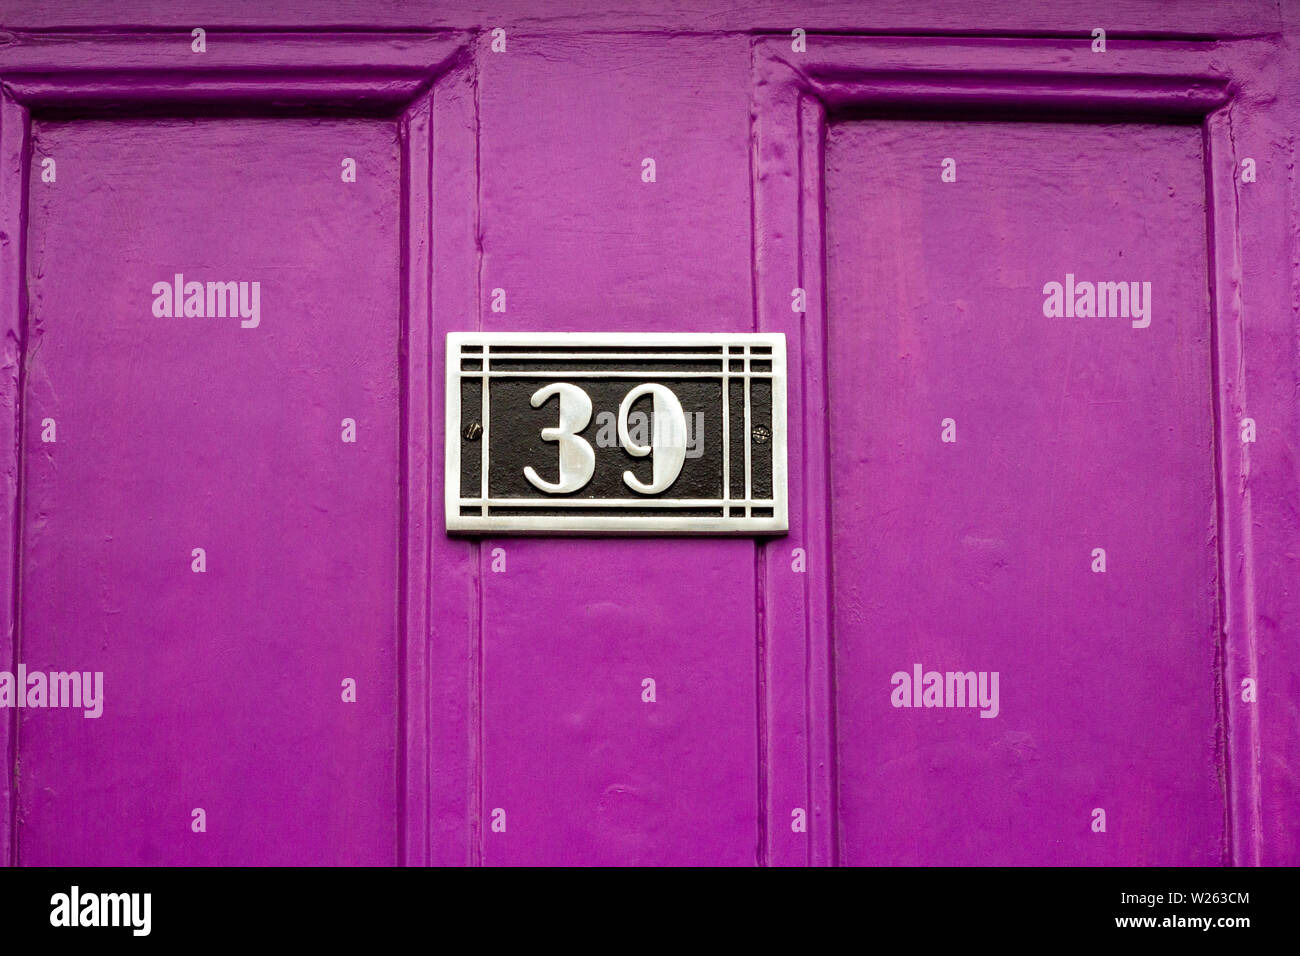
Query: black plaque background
[(516, 439)]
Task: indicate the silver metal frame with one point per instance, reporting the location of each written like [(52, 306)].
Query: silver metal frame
[(778, 523)]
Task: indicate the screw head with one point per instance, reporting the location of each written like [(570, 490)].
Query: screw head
[(761, 434), (472, 431)]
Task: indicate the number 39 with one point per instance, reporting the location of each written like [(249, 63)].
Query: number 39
[(578, 458)]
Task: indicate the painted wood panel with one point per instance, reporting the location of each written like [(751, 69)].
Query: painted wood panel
[(222, 687), (585, 769), (1023, 504)]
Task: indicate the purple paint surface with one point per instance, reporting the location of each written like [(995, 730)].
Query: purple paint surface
[(222, 688), (521, 690), (977, 554)]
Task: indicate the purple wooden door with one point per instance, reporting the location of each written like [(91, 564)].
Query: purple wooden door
[(983, 456), (223, 689), (228, 505)]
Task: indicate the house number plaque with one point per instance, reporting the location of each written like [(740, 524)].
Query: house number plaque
[(667, 433)]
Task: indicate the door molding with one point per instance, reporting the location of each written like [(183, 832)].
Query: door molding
[(426, 82), (794, 98)]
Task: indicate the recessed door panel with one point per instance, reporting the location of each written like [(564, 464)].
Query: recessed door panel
[(1023, 501), (210, 491)]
